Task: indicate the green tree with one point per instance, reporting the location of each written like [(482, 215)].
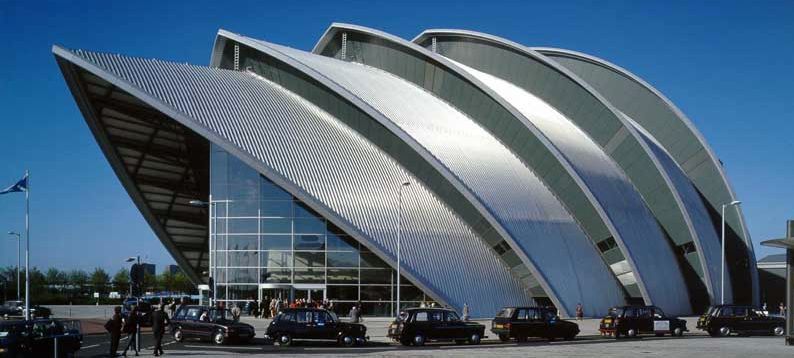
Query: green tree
[(77, 279), (166, 281), (100, 280), (121, 280), (182, 284)]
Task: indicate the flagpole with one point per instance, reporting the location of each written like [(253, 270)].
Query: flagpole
[(27, 247)]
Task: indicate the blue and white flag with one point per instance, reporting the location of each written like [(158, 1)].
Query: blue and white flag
[(21, 185)]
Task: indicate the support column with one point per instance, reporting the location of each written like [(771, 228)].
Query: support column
[(789, 285)]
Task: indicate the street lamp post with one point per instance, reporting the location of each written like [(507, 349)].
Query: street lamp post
[(399, 232), (19, 238), (722, 276), (210, 205)]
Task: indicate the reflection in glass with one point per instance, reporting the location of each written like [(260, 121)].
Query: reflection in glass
[(377, 276), (309, 276), (275, 242), (242, 242), (276, 258), (342, 275), (309, 259), (309, 242), (276, 275), (369, 259), (342, 259), (344, 293), (242, 226), (309, 226), (276, 208), (243, 259), (341, 243)]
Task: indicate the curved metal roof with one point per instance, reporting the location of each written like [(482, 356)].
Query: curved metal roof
[(312, 155), (510, 192), (673, 130)]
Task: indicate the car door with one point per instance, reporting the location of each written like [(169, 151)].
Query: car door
[(536, 324), (436, 327), (304, 324), (190, 322), (519, 326), (741, 321), (455, 328)]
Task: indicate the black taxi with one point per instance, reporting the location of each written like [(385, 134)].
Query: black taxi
[(522, 322), (314, 324), (420, 325), (631, 321), (723, 320), (207, 323)]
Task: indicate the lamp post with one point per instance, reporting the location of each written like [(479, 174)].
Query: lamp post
[(212, 216), (399, 232), (722, 276), (19, 238)]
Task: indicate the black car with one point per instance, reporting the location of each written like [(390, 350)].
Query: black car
[(632, 321), (17, 309), (523, 322), (214, 324), (420, 325), (314, 324), (36, 338), (723, 320)]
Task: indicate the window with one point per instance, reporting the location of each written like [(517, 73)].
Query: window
[(309, 259), (740, 311), (435, 316), (607, 244), (276, 226), (452, 317), (287, 316), (193, 314), (523, 313), (342, 259), (506, 313), (304, 316), (658, 313), (309, 242), (275, 242), (420, 316), (644, 312)]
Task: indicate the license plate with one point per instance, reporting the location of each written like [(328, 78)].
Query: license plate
[(499, 326), (608, 321)]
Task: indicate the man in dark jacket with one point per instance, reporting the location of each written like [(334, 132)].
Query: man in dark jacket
[(113, 326), (159, 322), (131, 329)]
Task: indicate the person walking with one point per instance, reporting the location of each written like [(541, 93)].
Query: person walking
[(782, 309), (131, 329), (579, 312), (113, 326), (465, 312), (172, 309), (159, 322), (254, 308), (236, 312)]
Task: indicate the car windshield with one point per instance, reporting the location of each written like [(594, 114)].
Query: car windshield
[(613, 312), (505, 313), (711, 311)]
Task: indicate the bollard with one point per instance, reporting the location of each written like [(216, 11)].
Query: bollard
[(55, 346)]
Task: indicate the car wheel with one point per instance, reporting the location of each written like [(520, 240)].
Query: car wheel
[(347, 341), (405, 342), (419, 340), (504, 337), (218, 338), (632, 333), (474, 338), (677, 332), (617, 335), (284, 339), (725, 331), (779, 331), (178, 334)]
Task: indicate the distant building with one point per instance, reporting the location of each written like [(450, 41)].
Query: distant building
[(173, 269), (772, 280), (149, 268)]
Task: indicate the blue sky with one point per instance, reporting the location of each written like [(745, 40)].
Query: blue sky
[(727, 65)]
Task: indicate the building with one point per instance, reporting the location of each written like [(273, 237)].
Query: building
[(499, 174), (150, 269), (172, 269), (772, 279)]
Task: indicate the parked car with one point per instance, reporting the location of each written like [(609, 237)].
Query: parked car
[(314, 324), (632, 321), (217, 325), (522, 322), (723, 320), (420, 325), (17, 309), (36, 338)]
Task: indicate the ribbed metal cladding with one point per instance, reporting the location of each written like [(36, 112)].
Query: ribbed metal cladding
[(708, 257), (561, 256), (327, 165), (638, 232)]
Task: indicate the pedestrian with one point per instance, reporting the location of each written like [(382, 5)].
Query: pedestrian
[(113, 326), (172, 308), (579, 312), (782, 309), (466, 312), (254, 308), (159, 322), (264, 308), (182, 304), (236, 312), (354, 314), (131, 329), (276, 307)]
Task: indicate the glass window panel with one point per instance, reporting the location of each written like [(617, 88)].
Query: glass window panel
[(243, 275), (242, 242), (243, 226), (219, 242), (219, 225), (243, 181), (242, 292), (376, 293), (239, 208), (410, 293), (220, 258), (376, 276), (276, 242), (276, 258), (341, 243), (309, 259), (342, 293), (309, 276), (309, 242), (276, 208), (219, 185), (276, 226), (220, 275), (376, 309), (243, 259), (342, 275), (369, 259), (272, 191), (309, 226), (342, 259), (303, 211), (276, 275)]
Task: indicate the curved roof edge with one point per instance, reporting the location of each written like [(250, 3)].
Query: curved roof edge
[(383, 120), (553, 150), (673, 108), (583, 84)]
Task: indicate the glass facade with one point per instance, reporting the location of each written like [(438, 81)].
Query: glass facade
[(267, 243)]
